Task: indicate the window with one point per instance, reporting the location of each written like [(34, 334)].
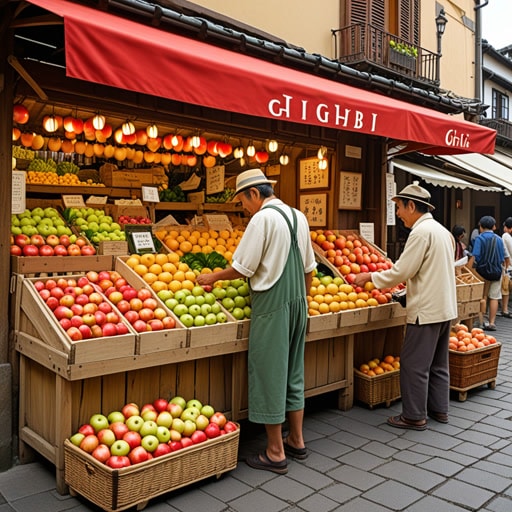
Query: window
[(499, 105)]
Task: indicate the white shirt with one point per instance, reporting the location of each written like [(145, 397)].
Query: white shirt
[(507, 242), (263, 250)]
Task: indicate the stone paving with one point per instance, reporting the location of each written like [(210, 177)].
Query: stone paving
[(357, 463)]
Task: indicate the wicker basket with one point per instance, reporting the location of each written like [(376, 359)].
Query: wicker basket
[(119, 489), (474, 368), (384, 388)]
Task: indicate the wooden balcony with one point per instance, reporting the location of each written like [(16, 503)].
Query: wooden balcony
[(367, 48), (502, 127)]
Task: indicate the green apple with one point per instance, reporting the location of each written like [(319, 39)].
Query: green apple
[(180, 296), (120, 447), (247, 311), (116, 416), (240, 302), (150, 442), (210, 298), (200, 300), (228, 303), (135, 422), (231, 292), (198, 290), (178, 425), (189, 427), (77, 438), (187, 320), (207, 410), (164, 419), (237, 282), (221, 317), (199, 320), (148, 428), (171, 303), (194, 402), (238, 313), (190, 300), (206, 309), (163, 434), (179, 400), (202, 422), (98, 422), (180, 310), (210, 319), (219, 293), (190, 413), (243, 290), (164, 295), (194, 310), (216, 309)]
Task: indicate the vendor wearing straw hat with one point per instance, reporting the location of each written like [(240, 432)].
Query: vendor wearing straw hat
[(276, 257), (426, 264)]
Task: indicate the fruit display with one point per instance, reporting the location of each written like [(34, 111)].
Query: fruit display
[(171, 194), (200, 239), (42, 165), (349, 253), (23, 153), (464, 339), (224, 197), (137, 304), (330, 294), (43, 232), (234, 297), (95, 224), (138, 219), (134, 434), (52, 178), (376, 366), (80, 307)]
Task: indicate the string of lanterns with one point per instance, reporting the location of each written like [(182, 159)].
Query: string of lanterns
[(97, 130)]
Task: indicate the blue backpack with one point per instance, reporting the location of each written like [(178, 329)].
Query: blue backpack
[(489, 266)]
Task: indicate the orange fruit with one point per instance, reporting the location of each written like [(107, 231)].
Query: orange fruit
[(140, 269)]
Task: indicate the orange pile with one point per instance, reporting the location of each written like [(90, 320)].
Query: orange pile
[(377, 367), (200, 239), (462, 339)]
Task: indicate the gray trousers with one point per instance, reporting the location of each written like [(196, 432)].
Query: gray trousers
[(424, 370)]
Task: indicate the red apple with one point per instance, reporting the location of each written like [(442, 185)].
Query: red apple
[(130, 409), (74, 250), (115, 297), (144, 294), (104, 307), (46, 250), (109, 329), (21, 240), (104, 274), (101, 453), (160, 404), (218, 418), (86, 332), (138, 455), (16, 251), (156, 324), (50, 283), (82, 299), (162, 449), (131, 316), (169, 322), (175, 445), (230, 426), (74, 333), (82, 281), (37, 240), (100, 317), (65, 323), (44, 294), (186, 441), (62, 312), (132, 438), (60, 250), (119, 428), (64, 240), (146, 314), (76, 321), (212, 430), (118, 461), (89, 443), (52, 303), (105, 284), (86, 429), (122, 305), (96, 331), (30, 250), (150, 303), (140, 326), (88, 250), (122, 328), (57, 292), (112, 317), (129, 294), (198, 437)]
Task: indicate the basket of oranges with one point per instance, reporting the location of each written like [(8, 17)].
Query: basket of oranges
[(378, 381)]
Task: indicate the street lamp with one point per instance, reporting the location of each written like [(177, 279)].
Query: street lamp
[(441, 22)]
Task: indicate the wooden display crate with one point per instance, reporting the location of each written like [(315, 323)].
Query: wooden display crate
[(59, 264), (469, 286), (380, 389), (115, 490), (473, 369), (113, 177), (37, 320)]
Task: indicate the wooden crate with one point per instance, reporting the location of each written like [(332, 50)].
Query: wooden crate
[(474, 368), (352, 317), (112, 177), (59, 264), (113, 248), (469, 286), (323, 322), (114, 490), (380, 389), (37, 320)]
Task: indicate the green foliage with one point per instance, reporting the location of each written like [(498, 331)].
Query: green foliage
[(405, 49)]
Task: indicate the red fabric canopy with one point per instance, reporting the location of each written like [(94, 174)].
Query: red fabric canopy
[(107, 49)]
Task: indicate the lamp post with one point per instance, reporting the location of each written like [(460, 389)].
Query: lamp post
[(441, 22)]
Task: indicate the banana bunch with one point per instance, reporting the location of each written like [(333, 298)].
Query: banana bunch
[(224, 197), (40, 165), (23, 153), (67, 168)]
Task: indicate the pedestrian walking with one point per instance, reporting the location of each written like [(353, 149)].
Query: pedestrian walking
[(506, 283)]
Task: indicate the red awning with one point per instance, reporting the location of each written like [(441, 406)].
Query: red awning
[(103, 48)]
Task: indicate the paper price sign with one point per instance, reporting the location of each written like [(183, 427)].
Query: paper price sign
[(143, 242), (150, 194), (215, 179), (73, 201), (18, 189)]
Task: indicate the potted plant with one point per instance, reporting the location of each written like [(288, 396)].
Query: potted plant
[(403, 55)]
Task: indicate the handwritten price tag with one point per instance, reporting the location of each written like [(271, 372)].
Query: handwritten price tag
[(73, 201), (143, 242)]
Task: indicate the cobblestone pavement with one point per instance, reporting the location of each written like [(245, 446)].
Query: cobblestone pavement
[(357, 463)]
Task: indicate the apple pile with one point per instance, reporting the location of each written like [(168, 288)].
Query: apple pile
[(138, 306), (39, 221), (194, 308), (234, 297), (80, 308), (95, 223), (134, 435), (349, 253), (377, 367), (53, 245), (139, 219), (463, 339)]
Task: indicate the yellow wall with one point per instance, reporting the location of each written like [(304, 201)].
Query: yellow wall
[(457, 44), (299, 22)]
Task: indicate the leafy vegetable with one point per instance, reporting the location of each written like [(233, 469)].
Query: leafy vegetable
[(199, 260)]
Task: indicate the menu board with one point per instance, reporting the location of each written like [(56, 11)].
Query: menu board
[(350, 191), (311, 176)]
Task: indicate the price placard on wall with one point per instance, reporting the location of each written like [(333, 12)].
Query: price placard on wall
[(18, 190), (314, 207), (311, 176), (74, 201), (215, 179), (150, 194), (350, 191)]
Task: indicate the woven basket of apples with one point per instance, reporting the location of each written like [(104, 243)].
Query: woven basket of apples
[(125, 458)]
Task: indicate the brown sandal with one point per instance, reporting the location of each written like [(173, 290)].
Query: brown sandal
[(440, 417), (401, 422)]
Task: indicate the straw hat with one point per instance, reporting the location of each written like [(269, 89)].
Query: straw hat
[(415, 193), (251, 178)]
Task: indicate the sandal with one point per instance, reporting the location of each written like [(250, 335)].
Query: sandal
[(440, 417), (261, 461), (489, 327), (507, 314), (296, 453), (401, 422)]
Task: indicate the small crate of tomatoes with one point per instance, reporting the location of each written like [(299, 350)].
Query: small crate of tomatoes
[(473, 357)]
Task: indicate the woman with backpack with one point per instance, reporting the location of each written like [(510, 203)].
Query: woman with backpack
[(487, 259)]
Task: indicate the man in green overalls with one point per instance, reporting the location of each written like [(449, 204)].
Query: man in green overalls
[(276, 256)]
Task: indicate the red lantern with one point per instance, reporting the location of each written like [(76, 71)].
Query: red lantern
[(20, 114)]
